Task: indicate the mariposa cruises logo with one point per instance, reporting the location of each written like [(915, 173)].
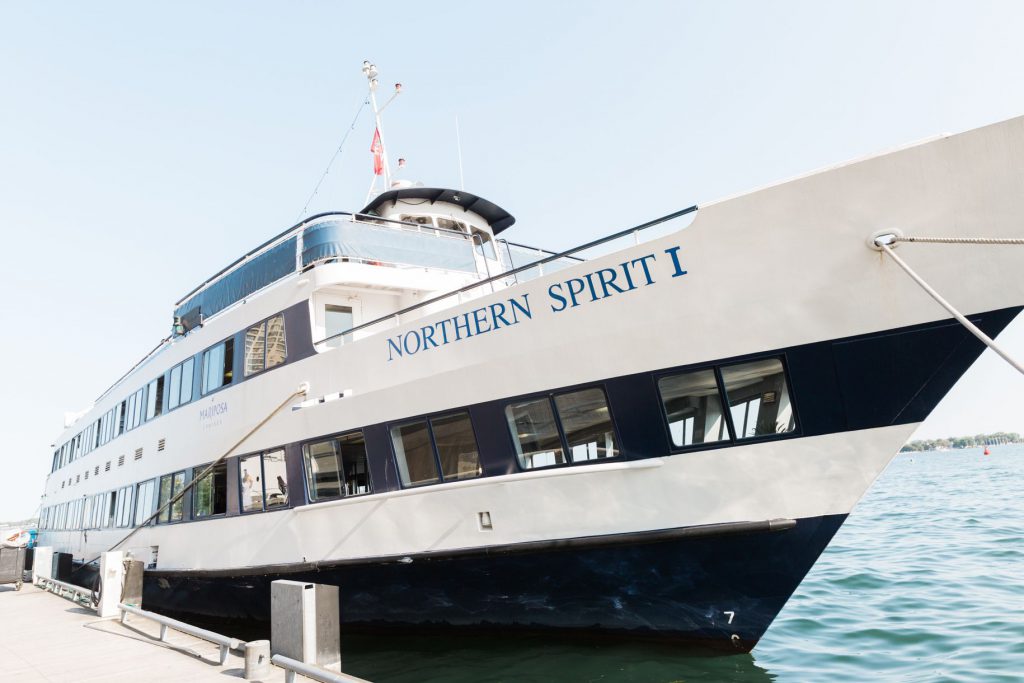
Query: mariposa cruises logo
[(213, 414)]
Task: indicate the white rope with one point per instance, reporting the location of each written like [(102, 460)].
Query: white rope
[(958, 240), (971, 327)]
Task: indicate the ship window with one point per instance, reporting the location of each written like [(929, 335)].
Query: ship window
[(155, 402), (416, 464), (265, 345), (587, 425), (275, 480), (119, 418), (251, 478), (484, 241), (170, 486), (337, 319), (145, 494), (124, 507), (337, 467), (693, 407), (456, 446), (419, 220), (758, 398), (217, 362), (255, 349), (535, 433), (322, 475), (109, 508), (174, 394), (210, 494), (187, 372), (277, 349)]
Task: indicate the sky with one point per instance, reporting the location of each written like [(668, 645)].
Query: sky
[(143, 146)]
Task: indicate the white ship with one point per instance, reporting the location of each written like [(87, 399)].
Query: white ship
[(461, 432)]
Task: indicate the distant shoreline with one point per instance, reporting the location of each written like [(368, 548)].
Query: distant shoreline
[(961, 442)]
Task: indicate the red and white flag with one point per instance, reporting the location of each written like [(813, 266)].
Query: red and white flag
[(378, 153)]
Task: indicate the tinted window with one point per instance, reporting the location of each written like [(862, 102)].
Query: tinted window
[(275, 477), (693, 407), (210, 494), (535, 433), (277, 349), (456, 446), (758, 398), (217, 363), (587, 425), (187, 371), (145, 493), (415, 456), (255, 348), (174, 395), (337, 467)]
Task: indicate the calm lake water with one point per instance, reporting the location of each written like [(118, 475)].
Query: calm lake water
[(924, 582)]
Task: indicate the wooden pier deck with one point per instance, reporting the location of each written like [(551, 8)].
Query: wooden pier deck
[(44, 637)]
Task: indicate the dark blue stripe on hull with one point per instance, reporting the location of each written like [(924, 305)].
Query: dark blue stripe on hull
[(682, 589)]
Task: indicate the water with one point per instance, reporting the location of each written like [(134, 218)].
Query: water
[(924, 582)]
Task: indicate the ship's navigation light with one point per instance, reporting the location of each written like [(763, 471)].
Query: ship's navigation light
[(179, 327)]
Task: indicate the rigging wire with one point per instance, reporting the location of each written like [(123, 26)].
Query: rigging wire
[(327, 170)]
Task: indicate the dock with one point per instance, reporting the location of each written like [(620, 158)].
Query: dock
[(44, 637)]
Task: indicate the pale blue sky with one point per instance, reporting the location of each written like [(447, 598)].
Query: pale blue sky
[(143, 147)]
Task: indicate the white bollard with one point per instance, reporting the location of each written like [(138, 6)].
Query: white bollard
[(42, 564), (111, 580)]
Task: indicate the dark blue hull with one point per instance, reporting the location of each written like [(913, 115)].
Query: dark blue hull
[(721, 589)]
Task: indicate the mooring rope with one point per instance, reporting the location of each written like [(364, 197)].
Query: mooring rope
[(883, 242), (301, 391), (958, 240)]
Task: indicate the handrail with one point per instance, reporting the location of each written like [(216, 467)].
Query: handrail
[(62, 586), (514, 271), (537, 249), (317, 673), (224, 642)]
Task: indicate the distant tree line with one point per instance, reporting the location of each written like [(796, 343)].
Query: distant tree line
[(962, 442)]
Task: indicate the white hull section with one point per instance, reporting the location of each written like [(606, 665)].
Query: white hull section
[(791, 479)]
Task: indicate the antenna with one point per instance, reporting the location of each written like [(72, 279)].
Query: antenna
[(458, 142), (371, 73)]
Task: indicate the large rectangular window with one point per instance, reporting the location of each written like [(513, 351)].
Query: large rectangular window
[(693, 407), (264, 481), (441, 448), (217, 366), (170, 486), (123, 517), (265, 345), (416, 463), (155, 398), (583, 429), (337, 319), (535, 433), (210, 494), (145, 500), (337, 467), (758, 398)]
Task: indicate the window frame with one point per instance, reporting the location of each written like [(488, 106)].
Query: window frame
[(264, 326), (196, 482), (563, 440), (726, 409), (203, 390), (263, 481), (332, 437), (429, 420)]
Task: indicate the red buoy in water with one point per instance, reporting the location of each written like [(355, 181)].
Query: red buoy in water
[(987, 451)]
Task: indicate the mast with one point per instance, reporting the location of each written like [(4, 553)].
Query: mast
[(371, 73)]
